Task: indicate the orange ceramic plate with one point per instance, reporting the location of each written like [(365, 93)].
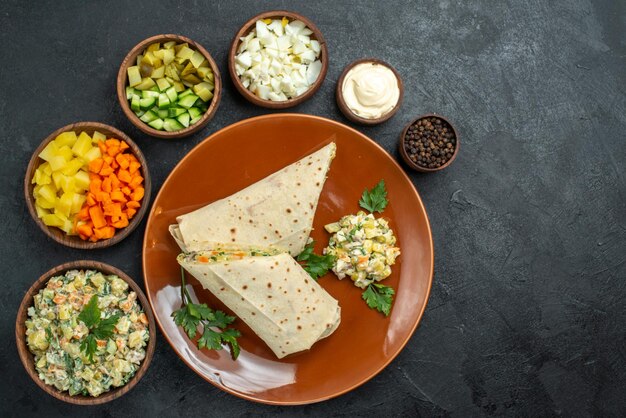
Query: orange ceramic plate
[(366, 341)]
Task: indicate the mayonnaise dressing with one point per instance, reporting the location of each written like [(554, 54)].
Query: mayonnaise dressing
[(370, 90)]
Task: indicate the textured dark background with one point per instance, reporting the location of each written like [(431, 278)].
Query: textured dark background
[(528, 311)]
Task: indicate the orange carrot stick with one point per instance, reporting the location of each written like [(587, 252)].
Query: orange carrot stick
[(97, 217)]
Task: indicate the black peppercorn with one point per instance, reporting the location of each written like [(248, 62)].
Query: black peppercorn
[(430, 142)]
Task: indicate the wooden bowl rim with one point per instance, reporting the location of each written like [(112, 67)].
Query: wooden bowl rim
[(251, 97), (343, 106), (28, 360), (122, 77), (417, 167), (75, 241)]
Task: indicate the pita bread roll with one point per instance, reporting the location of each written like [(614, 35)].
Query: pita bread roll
[(271, 293), (276, 211)]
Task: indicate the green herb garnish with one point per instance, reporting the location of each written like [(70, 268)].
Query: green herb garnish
[(315, 265), (376, 199), (191, 315), (99, 329), (379, 297)]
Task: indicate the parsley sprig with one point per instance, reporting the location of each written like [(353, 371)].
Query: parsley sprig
[(99, 329), (314, 264), (191, 315), (376, 199), (379, 297)]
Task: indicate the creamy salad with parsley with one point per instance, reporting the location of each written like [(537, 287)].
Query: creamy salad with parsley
[(363, 247), (87, 332)]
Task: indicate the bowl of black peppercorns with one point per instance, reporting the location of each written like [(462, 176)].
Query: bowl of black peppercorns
[(429, 143)]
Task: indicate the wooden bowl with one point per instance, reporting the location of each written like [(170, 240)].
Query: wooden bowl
[(417, 167), (28, 359), (246, 28), (74, 241), (130, 60), (348, 113)]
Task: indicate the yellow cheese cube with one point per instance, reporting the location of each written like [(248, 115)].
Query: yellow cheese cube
[(68, 227), (92, 154), (72, 166), (52, 220), (45, 167), (82, 180), (77, 202), (44, 178), (66, 138), (65, 152), (82, 145), (64, 204), (57, 179), (42, 203), (49, 151), (57, 162), (68, 184), (41, 211)]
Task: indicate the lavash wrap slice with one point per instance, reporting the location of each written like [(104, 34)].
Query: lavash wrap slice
[(276, 211), (271, 293)]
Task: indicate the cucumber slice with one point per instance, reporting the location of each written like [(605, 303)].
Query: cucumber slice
[(171, 94), (149, 93), (163, 113), (147, 103), (194, 112), (140, 113), (134, 104), (149, 116), (184, 119), (156, 124), (174, 112), (185, 93), (194, 120), (130, 92), (171, 125), (188, 101), (200, 103), (164, 101)]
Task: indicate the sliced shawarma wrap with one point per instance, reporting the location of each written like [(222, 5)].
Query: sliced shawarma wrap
[(270, 292), (276, 211)]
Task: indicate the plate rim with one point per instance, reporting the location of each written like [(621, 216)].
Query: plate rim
[(389, 359)]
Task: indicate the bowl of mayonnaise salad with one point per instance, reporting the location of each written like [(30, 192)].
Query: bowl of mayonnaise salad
[(85, 332)]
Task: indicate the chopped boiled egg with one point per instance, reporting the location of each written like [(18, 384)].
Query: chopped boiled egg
[(278, 60)]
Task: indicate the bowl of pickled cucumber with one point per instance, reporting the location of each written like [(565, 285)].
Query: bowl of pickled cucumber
[(85, 332), (169, 86)]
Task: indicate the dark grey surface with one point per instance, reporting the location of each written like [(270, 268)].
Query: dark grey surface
[(527, 312)]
